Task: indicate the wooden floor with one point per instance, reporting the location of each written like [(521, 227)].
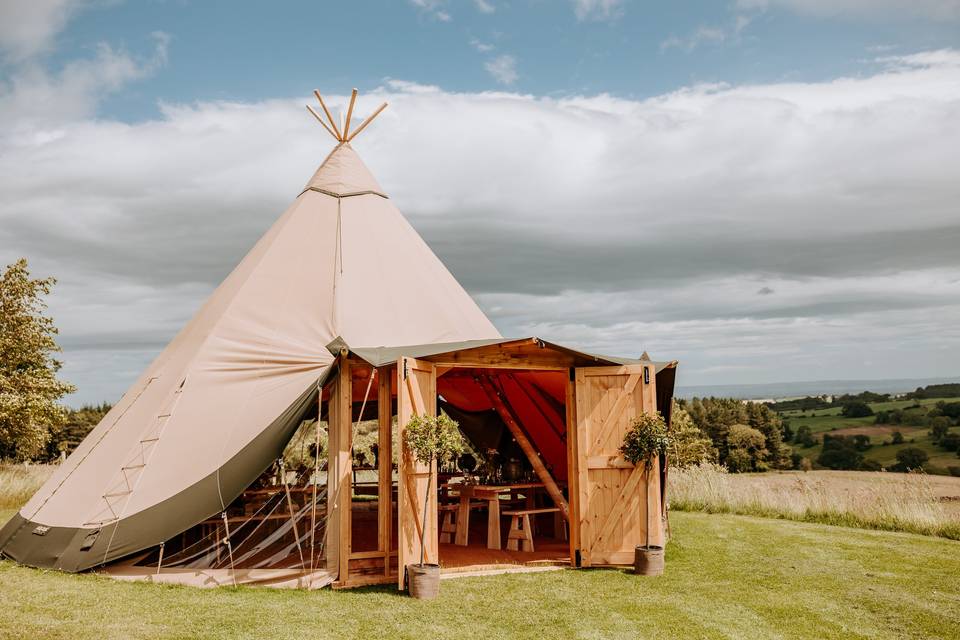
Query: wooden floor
[(549, 551)]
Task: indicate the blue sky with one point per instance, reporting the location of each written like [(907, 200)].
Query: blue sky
[(765, 190), (224, 50)]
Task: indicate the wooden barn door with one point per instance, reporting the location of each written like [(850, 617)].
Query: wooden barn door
[(416, 395), (610, 490)]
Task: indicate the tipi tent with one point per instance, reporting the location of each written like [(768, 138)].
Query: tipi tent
[(218, 405)]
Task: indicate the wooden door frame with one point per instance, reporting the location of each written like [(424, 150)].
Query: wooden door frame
[(411, 474)]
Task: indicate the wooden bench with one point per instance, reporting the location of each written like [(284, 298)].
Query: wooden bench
[(448, 527), (524, 533)]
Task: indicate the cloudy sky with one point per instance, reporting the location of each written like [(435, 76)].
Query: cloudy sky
[(766, 190)]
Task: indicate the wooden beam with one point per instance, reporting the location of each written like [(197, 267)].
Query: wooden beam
[(385, 458), (329, 117), (344, 424), (507, 415), (573, 467), (369, 119), (346, 127), (320, 120)]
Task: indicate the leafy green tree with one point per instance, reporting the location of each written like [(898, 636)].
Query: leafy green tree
[(839, 453), (951, 442), (939, 427), (716, 416), (804, 436), (689, 446), (911, 458), (861, 442), (746, 449), (29, 388), (856, 409), (79, 423), (896, 438)]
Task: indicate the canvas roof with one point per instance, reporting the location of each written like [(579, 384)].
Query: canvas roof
[(381, 356), (219, 403)]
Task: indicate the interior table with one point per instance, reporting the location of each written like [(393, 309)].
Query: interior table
[(490, 493)]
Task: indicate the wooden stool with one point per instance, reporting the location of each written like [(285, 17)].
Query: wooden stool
[(525, 533), (449, 526)]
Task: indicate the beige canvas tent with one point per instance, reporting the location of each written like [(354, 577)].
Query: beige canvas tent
[(333, 298)]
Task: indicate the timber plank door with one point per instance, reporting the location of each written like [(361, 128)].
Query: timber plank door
[(609, 489), (416, 395)]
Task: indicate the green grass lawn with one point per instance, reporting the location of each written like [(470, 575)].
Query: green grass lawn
[(727, 577)]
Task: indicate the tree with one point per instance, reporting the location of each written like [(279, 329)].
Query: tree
[(896, 438), (689, 446), (746, 449), (839, 453), (430, 439), (716, 416), (939, 427), (861, 442), (29, 388), (911, 458), (804, 436), (646, 439), (786, 431), (78, 424), (951, 442), (856, 409)]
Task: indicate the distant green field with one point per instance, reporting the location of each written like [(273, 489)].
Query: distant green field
[(829, 420)]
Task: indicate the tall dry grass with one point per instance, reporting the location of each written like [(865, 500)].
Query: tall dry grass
[(902, 502), (18, 483)]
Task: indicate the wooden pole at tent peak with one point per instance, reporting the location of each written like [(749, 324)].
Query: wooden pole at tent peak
[(368, 120), (346, 127), (329, 117), (541, 470), (322, 123)]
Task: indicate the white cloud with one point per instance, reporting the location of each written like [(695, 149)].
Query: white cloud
[(618, 225), (597, 9), (433, 8), (482, 47), (29, 27), (869, 9), (33, 97), (707, 34), (484, 6), (503, 69)]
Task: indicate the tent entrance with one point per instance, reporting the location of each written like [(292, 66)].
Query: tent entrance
[(548, 487), (514, 421)]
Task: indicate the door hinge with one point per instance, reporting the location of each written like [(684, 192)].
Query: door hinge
[(646, 375)]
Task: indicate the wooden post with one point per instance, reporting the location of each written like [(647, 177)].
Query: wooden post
[(342, 424), (573, 468), (346, 127), (499, 403), (385, 467), (330, 117), (369, 119)]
